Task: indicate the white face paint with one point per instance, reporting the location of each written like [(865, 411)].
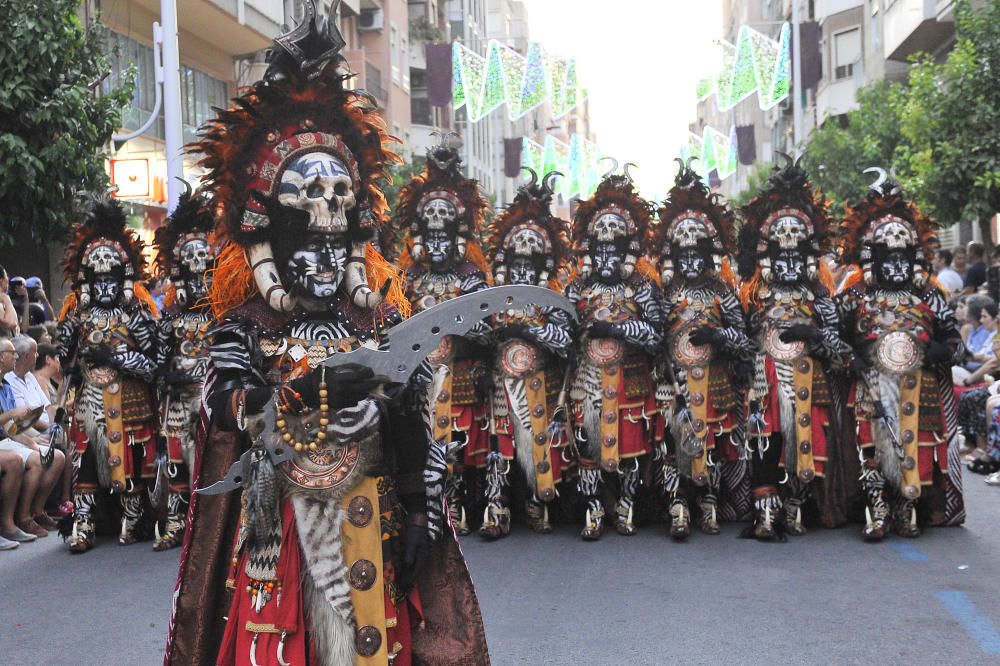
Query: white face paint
[(319, 183), (610, 226), (439, 214), (788, 232)]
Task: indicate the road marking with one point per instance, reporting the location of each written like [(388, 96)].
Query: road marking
[(978, 626), (907, 551)]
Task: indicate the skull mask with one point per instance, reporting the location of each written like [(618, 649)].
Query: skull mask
[(688, 232), (439, 214), (103, 259), (194, 255), (894, 234), (788, 232), (527, 242), (609, 227), (319, 183)]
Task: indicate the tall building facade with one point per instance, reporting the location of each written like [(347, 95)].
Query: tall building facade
[(847, 44)]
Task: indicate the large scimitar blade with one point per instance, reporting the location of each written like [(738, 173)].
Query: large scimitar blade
[(411, 341)]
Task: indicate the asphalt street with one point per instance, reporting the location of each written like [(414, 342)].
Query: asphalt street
[(823, 598)]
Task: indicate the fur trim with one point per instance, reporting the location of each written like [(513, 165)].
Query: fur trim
[(105, 218), (531, 204)]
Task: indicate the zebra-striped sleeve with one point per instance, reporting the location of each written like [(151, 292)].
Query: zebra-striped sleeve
[(734, 328), (230, 348), (946, 329), (646, 332), (556, 334), (830, 345), (67, 340)]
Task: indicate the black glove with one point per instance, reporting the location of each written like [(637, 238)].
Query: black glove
[(177, 378), (801, 333), (604, 329), (417, 547), (937, 354), (484, 384), (706, 335), (346, 385), (99, 355), (514, 331), (859, 365)]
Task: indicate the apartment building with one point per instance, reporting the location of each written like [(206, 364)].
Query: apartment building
[(846, 45)]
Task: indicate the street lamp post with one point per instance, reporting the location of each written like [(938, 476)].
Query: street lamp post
[(173, 133), (796, 74), (167, 90)]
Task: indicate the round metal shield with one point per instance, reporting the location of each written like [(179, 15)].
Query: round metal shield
[(782, 351), (324, 468), (518, 358), (604, 351), (685, 353), (898, 352), (443, 353), (100, 376)]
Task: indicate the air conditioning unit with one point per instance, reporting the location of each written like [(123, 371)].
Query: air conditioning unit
[(371, 19)]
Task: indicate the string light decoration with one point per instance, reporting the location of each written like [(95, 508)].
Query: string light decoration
[(578, 161), (714, 150), (482, 84), (756, 64)]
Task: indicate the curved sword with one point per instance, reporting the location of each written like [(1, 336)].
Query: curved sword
[(407, 345), (265, 440), (411, 341)]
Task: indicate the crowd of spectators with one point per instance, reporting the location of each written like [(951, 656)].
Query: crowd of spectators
[(33, 469), (974, 288)]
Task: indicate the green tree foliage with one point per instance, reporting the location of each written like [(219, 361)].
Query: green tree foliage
[(939, 129), (54, 121)]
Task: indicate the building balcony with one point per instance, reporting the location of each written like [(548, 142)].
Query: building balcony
[(366, 75), (825, 8), (836, 98), (912, 26)]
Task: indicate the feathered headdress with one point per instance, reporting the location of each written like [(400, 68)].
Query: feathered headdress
[(884, 219), (191, 220), (297, 130), (693, 216), (527, 228), (597, 218), (787, 197), (102, 244), (442, 179)]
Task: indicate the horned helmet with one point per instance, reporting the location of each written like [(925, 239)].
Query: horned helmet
[(891, 239), (441, 211), (529, 245), (184, 250), (609, 227), (785, 230), (695, 230), (294, 167), (104, 259)]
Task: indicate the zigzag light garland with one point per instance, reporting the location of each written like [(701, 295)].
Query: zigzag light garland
[(714, 150), (756, 64), (578, 161), (504, 75)]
